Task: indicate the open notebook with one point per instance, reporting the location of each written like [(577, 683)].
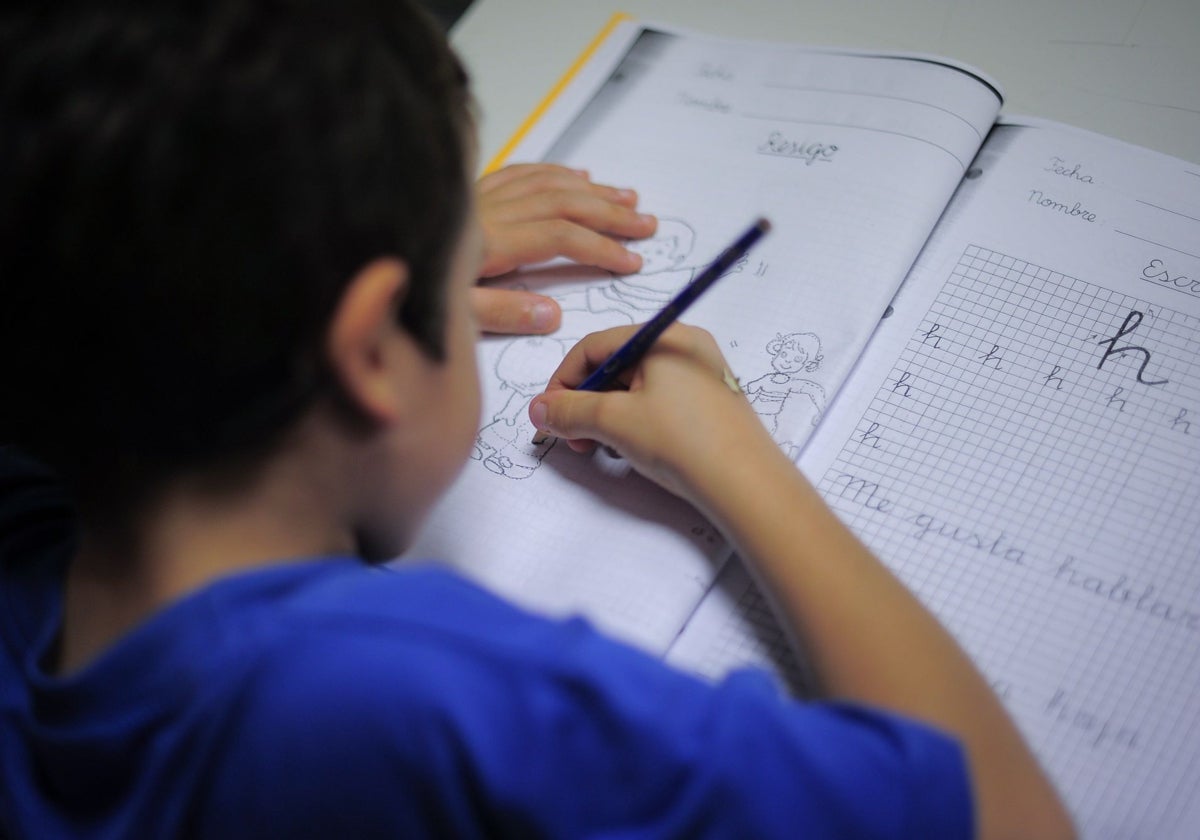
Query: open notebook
[(980, 340)]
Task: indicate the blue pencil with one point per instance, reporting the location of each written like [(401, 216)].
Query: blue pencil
[(632, 351)]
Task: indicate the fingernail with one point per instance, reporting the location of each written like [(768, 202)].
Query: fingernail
[(633, 262), (648, 218), (542, 315), (627, 195), (537, 413)]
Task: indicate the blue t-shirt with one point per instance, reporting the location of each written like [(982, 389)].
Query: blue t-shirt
[(323, 698)]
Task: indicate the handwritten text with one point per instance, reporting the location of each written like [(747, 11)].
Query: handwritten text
[(1158, 272), (777, 143), (1059, 167), (710, 103), (1075, 210)]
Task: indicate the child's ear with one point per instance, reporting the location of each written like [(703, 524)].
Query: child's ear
[(368, 352)]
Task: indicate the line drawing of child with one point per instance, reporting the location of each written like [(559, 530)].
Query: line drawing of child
[(505, 444), (631, 298), (786, 398)]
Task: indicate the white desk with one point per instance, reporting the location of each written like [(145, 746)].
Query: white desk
[(1126, 68)]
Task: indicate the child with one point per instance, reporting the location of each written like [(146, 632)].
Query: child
[(238, 259)]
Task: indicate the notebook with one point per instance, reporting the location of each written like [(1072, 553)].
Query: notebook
[(977, 335)]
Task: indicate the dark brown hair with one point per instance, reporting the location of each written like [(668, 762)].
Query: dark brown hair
[(185, 189)]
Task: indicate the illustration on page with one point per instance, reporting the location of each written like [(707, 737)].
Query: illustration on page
[(789, 402), (524, 365)]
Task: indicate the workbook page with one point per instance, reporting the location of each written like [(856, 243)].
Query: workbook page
[(851, 156), (1021, 445)]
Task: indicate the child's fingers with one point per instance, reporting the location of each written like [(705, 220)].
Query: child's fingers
[(587, 354), (585, 416), (515, 182), (514, 312), (534, 242), (582, 207), (678, 403), (593, 350), (521, 171), (535, 212)]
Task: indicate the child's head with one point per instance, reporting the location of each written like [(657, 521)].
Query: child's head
[(185, 191), (795, 353), (666, 251)]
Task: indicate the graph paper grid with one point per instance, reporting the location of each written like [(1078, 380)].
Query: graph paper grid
[(1030, 467)]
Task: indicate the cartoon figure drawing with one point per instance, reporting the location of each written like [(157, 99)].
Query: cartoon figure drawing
[(788, 401), (632, 298), (505, 444)]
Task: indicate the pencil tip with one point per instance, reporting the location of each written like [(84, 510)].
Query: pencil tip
[(540, 437), (763, 224)]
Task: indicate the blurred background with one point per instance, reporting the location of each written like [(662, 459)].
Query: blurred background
[(447, 11)]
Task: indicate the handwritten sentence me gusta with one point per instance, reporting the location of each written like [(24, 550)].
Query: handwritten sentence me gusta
[(1143, 598)]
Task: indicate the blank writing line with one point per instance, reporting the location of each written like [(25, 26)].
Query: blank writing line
[(1159, 244), (954, 114), (961, 163), (1167, 209)]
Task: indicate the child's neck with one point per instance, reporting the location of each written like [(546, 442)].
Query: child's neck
[(188, 538)]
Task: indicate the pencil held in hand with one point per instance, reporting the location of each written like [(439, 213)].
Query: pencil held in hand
[(634, 350)]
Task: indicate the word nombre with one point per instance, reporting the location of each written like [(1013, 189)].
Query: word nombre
[(1075, 210)]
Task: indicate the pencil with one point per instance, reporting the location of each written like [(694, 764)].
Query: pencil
[(632, 351)]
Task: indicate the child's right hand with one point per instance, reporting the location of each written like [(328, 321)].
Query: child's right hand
[(679, 423), (868, 639)]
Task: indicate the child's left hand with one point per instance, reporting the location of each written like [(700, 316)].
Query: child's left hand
[(535, 212)]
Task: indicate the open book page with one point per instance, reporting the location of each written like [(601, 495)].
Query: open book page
[(1021, 445), (851, 156), (735, 627)]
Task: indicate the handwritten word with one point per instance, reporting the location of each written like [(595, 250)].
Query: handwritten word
[(777, 143), (1132, 321), (715, 71), (1124, 592), (712, 103), (966, 535), (864, 492), (1064, 710), (1059, 167), (1156, 271), (1181, 423), (1042, 200)]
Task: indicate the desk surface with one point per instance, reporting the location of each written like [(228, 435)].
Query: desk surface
[(1126, 68)]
